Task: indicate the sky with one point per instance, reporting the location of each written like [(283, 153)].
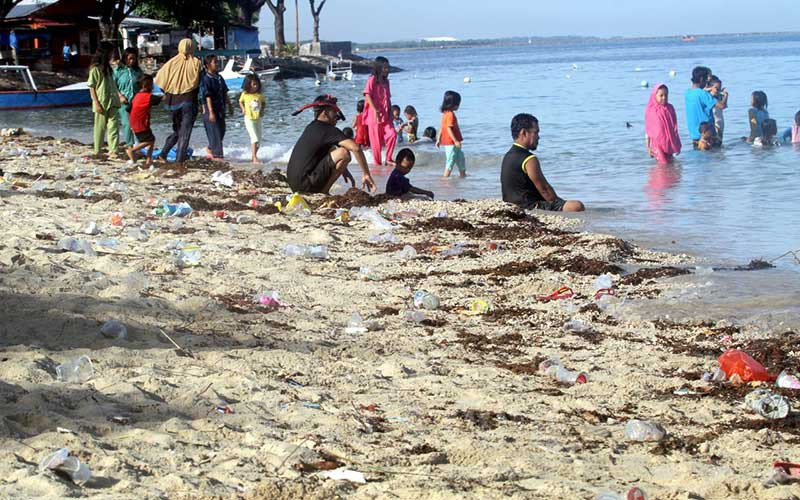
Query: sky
[(357, 20)]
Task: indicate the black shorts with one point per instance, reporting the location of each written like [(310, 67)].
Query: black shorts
[(316, 180), (556, 205), (144, 136)]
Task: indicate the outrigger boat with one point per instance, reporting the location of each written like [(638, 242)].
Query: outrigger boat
[(32, 98), (235, 78), (340, 70)]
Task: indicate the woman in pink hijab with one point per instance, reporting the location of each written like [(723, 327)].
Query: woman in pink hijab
[(661, 126)]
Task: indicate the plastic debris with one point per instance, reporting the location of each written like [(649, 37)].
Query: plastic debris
[(76, 370), (295, 205), (111, 243), (642, 430), (310, 251), (91, 229), (225, 410), (440, 214), (736, 362), (562, 293), (414, 316), (632, 494), (453, 250), (77, 246), (356, 325), (172, 209), (187, 257), (425, 300), (408, 252), (382, 238), (367, 274), (787, 381), (61, 461), (269, 299), (223, 178), (113, 329), (577, 326), (478, 307), (245, 219), (345, 475), (554, 369), (371, 215), (768, 404), (603, 282)]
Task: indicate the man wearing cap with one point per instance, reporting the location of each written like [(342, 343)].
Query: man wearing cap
[(323, 152)]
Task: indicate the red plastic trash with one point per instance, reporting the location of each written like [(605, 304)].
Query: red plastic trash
[(736, 362)]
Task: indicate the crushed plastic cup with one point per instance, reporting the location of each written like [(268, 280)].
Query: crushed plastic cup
[(188, 257), (245, 219), (137, 233), (632, 494), (356, 325), (77, 246), (319, 252), (603, 282), (554, 369), (223, 178), (366, 273), (479, 306), (408, 252), (736, 362), (642, 430), (787, 381), (440, 214), (113, 329), (718, 376), (91, 229), (768, 404), (382, 238), (111, 243), (295, 205), (61, 461), (269, 299), (425, 300), (414, 316), (453, 250), (76, 370), (117, 219), (577, 326)]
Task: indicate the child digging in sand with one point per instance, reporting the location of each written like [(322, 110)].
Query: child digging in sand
[(398, 184), (141, 104)]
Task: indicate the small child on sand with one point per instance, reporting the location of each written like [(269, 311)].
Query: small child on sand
[(141, 104), (450, 135), (398, 184), (253, 102), (412, 123), (706, 142)]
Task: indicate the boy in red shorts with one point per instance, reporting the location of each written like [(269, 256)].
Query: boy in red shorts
[(140, 120)]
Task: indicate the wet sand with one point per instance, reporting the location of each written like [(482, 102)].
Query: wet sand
[(452, 407)]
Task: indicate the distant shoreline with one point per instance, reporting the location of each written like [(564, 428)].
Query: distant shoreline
[(522, 40)]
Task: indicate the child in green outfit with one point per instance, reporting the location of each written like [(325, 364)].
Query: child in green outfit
[(105, 99)]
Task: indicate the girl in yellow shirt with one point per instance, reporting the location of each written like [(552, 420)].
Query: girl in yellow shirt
[(252, 102)]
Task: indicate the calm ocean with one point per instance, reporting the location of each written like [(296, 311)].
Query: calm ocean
[(727, 207)]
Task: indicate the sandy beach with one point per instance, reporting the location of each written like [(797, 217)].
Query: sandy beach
[(261, 401)]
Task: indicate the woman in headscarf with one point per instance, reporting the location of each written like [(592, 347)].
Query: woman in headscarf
[(126, 75), (179, 79), (105, 99), (661, 126)]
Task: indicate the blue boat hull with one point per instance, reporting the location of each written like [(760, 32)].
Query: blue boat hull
[(44, 99)]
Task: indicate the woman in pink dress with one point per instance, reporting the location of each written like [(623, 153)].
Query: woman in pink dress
[(377, 112), (661, 126)]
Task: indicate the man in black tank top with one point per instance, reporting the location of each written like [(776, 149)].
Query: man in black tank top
[(521, 176)]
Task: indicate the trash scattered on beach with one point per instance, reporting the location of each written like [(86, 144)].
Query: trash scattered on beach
[(91, 229), (344, 475), (407, 253), (270, 299), (296, 205), (642, 430), (245, 219), (61, 461), (225, 410), (319, 252), (787, 381), (554, 369), (117, 219), (356, 325), (414, 316), (371, 215), (425, 300), (783, 473), (577, 326), (113, 329), (172, 209), (76, 370), (738, 363), (223, 178), (10, 132), (562, 293), (77, 246), (768, 404), (478, 307), (187, 257), (111, 243), (632, 494), (718, 376), (367, 274), (382, 238)]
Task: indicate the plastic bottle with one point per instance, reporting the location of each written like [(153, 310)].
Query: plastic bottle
[(245, 219), (425, 300), (292, 250), (77, 246), (768, 404), (188, 257), (554, 369), (76, 370), (414, 316), (317, 252), (91, 229), (356, 325), (642, 430), (113, 329), (577, 326)]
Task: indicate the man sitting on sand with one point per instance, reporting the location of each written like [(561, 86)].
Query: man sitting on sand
[(323, 152), (521, 176)]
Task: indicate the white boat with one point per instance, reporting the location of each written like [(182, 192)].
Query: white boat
[(234, 79), (340, 70)]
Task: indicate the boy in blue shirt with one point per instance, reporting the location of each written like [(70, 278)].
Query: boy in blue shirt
[(700, 103), (398, 184)]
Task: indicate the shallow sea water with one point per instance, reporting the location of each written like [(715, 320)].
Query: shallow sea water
[(726, 207)]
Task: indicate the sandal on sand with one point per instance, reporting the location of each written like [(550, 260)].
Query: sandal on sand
[(604, 291)]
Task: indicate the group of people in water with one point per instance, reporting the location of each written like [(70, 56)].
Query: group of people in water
[(706, 101), (122, 99)]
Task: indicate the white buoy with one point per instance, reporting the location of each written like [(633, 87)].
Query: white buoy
[(574, 66), (569, 77), (673, 73), (467, 79), (637, 69), (644, 84)]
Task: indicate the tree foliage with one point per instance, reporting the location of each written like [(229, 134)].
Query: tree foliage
[(188, 14)]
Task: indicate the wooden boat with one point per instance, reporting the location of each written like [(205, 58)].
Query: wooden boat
[(32, 98)]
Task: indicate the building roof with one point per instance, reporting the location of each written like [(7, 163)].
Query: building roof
[(139, 22), (25, 9)]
